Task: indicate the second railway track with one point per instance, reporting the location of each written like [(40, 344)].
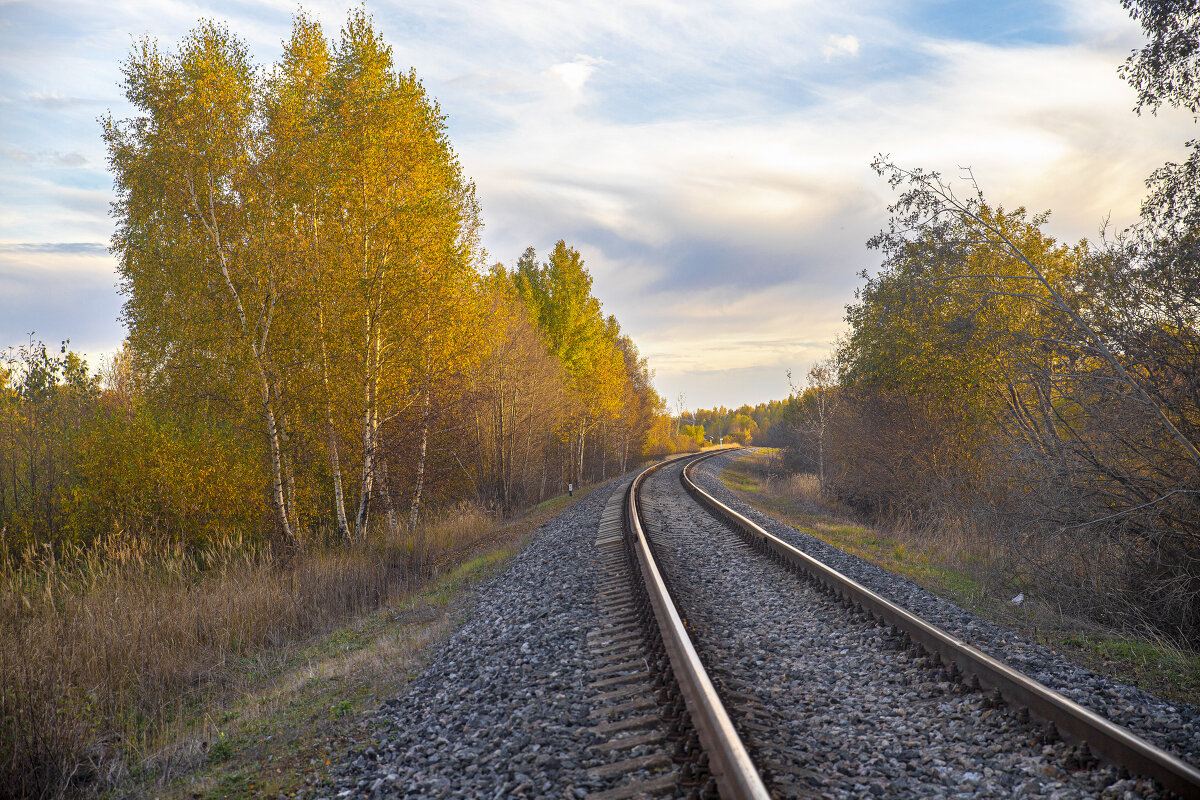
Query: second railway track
[(831, 702)]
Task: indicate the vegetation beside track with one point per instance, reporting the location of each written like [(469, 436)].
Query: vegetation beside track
[(967, 573), (263, 712)]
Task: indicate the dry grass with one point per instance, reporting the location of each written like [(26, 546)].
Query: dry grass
[(103, 660), (285, 728), (802, 488)]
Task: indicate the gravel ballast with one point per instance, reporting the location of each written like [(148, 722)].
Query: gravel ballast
[(505, 707), (852, 716)]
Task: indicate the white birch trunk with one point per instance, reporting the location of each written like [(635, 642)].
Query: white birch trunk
[(335, 464), (209, 221), (370, 422), (420, 481)]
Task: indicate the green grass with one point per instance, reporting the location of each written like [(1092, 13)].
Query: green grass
[(1158, 667), (221, 749), (925, 567), (740, 481), (468, 574)]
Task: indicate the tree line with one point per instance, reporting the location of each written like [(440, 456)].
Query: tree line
[(315, 342), (745, 424), (1042, 394)]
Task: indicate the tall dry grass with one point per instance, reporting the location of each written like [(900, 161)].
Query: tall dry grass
[(105, 657), (801, 488), (951, 540)]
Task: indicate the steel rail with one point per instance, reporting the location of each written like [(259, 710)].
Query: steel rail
[(1105, 739), (728, 762)]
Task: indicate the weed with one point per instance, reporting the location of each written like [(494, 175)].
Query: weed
[(221, 749), (109, 657)]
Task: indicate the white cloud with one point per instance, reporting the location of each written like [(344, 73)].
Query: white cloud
[(770, 212), (68, 160), (53, 100), (574, 74), (836, 46)]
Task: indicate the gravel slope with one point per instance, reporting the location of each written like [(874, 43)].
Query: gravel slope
[(1172, 726)]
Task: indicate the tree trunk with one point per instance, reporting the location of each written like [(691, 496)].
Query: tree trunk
[(370, 425), (393, 525), (289, 536), (290, 474), (335, 464), (542, 490), (500, 446), (258, 352), (603, 452), (820, 443), (420, 481)]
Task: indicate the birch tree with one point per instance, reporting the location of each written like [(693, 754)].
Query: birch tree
[(406, 222), (194, 224)]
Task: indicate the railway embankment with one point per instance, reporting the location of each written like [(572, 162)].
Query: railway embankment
[(533, 671)]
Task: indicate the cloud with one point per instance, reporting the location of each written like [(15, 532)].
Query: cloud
[(710, 164), (757, 220), (64, 248), (836, 46), (67, 160), (53, 100), (574, 74)]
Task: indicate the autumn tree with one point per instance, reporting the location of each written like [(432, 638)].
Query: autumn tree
[(559, 298), (195, 228), (642, 405), (809, 415), (518, 388), (1027, 386), (46, 399), (306, 236), (1024, 379), (405, 221)]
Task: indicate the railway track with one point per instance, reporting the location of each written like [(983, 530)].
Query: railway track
[(734, 664), (669, 730)]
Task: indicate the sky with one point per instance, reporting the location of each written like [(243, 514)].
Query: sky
[(710, 160)]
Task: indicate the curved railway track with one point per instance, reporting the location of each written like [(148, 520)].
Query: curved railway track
[(751, 724), (647, 663)]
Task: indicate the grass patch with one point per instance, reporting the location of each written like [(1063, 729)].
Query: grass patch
[(1159, 667), (953, 565), (285, 733), (924, 566)]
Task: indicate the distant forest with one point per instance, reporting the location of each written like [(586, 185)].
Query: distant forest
[(745, 424)]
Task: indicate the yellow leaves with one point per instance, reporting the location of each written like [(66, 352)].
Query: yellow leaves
[(151, 478)]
